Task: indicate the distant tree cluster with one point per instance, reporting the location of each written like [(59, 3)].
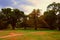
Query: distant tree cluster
[(15, 18)]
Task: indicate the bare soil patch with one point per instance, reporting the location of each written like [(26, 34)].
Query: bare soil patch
[(12, 35)]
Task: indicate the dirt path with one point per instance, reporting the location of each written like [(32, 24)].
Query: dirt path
[(11, 35)]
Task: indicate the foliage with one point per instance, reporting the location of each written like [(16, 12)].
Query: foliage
[(17, 19)]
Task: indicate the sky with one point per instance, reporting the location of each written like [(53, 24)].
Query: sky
[(27, 5)]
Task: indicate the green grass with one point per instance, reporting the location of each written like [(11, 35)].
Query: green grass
[(32, 35)]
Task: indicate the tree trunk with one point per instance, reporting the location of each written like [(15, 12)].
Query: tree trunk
[(59, 28), (35, 28), (13, 26)]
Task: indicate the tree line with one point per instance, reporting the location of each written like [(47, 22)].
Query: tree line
[(15, 18)]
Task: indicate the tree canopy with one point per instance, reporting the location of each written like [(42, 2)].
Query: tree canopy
[(17, 18)]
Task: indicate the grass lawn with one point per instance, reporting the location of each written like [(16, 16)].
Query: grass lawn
[(31, 35)]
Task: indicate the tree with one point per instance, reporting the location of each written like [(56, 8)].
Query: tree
[(1, 21), (4, 17), (58, 16), (53, 7), (56, 7), (11, 16), (34, 18), (50, 18), (16, 15)]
